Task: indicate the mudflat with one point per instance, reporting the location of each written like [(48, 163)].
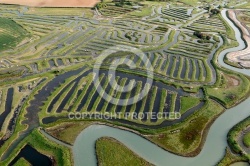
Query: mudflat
[(242, 57)]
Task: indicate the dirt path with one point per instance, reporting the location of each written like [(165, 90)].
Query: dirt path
[(52, 3), (241, 57)]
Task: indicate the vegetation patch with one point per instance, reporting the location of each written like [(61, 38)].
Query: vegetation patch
[(236, 134), (187, 138), (121, 155), (231, 89), (246, 140), (188, 103), (230, 158), (11, 34), (67, 131)]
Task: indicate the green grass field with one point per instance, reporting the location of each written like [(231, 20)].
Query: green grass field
[(187, 103), (246, 140), (121, 155), (11, 34), (68, 131)]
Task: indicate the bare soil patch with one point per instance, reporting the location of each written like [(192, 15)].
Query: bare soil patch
[(232, 81), (52, 3)]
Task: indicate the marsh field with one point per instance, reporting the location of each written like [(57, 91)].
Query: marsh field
[(49, 69)]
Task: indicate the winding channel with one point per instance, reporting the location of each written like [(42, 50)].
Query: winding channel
[(214, 147)]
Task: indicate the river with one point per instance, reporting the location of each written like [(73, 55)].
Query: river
[(214, 147)]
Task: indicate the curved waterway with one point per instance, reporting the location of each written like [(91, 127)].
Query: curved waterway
[(214, 147)]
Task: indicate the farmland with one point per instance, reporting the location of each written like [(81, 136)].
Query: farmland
[(48, 72), (11, 34)]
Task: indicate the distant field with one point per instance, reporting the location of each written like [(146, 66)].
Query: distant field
[(10, 34), (52, 3), (61, 11)]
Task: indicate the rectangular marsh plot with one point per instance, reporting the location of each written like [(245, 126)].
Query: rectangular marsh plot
[(184, 69), (84, 99), (157, 103), (177, 67), (95, 95), (190, 72), (197, 70), (8, 106), (167, 105), (60, 62), (170, 65), (52, 63)]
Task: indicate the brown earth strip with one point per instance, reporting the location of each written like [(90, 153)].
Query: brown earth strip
[(52, 3)]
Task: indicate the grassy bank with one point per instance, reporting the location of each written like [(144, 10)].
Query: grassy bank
[(235, 133), (121, 155), (185, 138), (60, 153)]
